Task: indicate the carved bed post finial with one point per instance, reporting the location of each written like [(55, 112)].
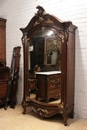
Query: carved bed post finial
[(40, 11)]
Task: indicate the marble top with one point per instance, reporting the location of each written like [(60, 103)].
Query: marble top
[(48, 72)]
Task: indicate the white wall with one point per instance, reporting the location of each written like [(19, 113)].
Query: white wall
[(19, 12)]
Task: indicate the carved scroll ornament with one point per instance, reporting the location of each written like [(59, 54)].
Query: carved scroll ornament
[(42, 112)]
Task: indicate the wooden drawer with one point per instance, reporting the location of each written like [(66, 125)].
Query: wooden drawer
[(54, 82), (54, 79), (53, 93), (54, 85), (54, 76)]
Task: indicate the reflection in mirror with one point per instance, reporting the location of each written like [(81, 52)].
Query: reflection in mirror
[(52, 52), (45, 66)]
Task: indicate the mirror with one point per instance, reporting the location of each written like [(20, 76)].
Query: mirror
[(45, 59), (49, 64)]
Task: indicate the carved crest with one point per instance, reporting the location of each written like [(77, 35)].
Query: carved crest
[(40, 11), (40, 14)]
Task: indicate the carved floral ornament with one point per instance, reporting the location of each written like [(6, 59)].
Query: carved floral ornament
[(61, 105), (40, 14), (42, 112), (48, 20)]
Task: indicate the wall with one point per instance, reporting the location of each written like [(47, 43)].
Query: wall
[(19, 12)]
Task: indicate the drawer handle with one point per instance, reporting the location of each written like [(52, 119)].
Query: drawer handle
[(55, 81), (52, 81)]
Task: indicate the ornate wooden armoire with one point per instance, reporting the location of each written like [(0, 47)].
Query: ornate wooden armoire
[(59, 44)]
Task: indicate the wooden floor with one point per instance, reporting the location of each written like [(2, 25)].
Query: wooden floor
[(13, 119)]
